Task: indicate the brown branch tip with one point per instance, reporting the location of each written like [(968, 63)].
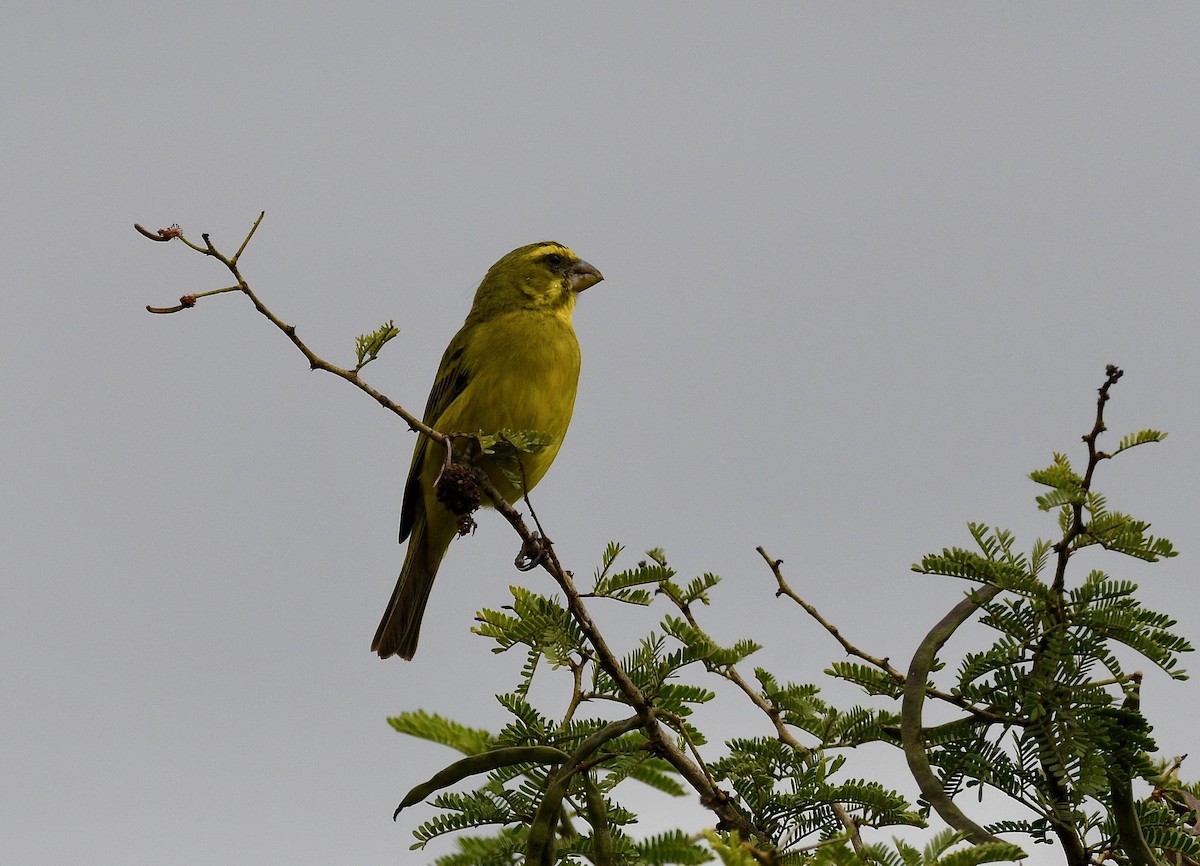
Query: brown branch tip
[(161, 235), (186, 302)]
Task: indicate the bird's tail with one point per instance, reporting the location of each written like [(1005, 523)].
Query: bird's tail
[(401, 624)]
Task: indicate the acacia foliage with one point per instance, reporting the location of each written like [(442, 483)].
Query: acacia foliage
[(1045, 714)]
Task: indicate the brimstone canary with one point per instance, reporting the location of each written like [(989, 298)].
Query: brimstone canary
[(514, 366)]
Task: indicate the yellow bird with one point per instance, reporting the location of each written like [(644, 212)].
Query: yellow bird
[(514, 365)]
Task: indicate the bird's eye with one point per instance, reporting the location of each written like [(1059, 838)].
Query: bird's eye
[(554, 259)]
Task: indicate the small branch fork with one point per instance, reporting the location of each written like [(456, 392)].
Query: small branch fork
[(314, 361), (655, 725)]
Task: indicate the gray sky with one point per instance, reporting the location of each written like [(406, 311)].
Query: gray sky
[(864, 267)]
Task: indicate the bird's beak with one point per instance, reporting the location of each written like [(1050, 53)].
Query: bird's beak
[(582, 276)]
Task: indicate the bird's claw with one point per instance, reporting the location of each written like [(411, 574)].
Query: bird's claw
[(533, 553)]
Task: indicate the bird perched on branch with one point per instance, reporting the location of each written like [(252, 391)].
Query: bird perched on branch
[(513, 366)]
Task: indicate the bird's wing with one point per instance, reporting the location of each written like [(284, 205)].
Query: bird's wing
[(453, 375)]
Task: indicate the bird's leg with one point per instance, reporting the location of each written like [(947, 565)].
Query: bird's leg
[(533, 552)]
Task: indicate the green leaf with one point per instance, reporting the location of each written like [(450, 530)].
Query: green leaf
[(672, 847), (649, 574), (607, 559), (870, 679), (367, 346), (1141, 437), (658, 774), (1059, 474), (437, 729)]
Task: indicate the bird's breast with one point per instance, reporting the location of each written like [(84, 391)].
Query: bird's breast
[(524, 373)]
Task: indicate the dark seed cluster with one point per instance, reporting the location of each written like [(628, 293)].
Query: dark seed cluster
[(459, 492)]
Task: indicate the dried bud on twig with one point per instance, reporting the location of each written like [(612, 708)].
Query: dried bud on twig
[(458, 490)]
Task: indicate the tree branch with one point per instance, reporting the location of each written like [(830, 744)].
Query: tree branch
[(315, 362)]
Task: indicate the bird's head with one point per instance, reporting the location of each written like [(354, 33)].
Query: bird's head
[(545, 276)]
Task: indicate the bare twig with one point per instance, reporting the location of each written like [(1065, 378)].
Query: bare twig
[(162, 235), (188, 301)]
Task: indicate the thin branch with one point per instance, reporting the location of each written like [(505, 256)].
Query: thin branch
[(731, 673), (883, 664), (1063, 548), (190, 300), (782, 733), (249, 235), (1061, 806), (314, 361)]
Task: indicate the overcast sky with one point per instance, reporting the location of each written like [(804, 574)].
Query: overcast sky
[(865, 265)]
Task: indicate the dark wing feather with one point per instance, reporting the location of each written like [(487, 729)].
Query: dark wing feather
[(453, 376)]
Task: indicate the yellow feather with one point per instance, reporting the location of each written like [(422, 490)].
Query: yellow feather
[(514, 365)]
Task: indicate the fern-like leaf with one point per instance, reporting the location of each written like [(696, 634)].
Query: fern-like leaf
[(438, 729)]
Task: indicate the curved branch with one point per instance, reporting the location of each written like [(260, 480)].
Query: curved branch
[(540, 848), (1120, 782), (910, 716), (473, 765)]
